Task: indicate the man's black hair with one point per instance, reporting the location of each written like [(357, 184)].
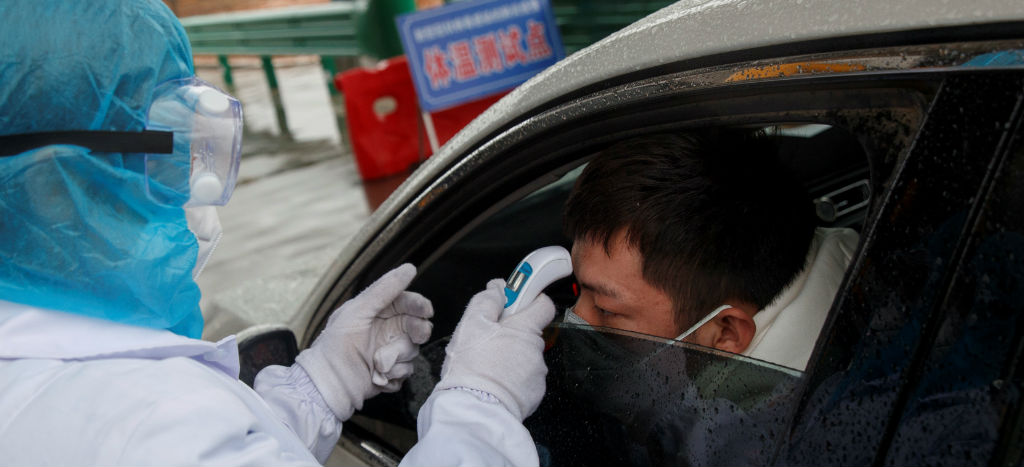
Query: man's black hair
[(713, 214)]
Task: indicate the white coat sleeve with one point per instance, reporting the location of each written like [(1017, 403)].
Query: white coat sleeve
[(291, 395), (459, 427), (136, 411)]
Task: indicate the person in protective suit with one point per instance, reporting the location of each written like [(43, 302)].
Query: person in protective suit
[(112, 156)]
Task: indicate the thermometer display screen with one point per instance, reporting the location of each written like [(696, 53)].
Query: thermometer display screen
[(516, 280)]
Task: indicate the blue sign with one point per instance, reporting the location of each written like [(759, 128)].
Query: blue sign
[(468, 50)]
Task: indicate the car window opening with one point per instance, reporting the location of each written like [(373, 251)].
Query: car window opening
[(831, 166)]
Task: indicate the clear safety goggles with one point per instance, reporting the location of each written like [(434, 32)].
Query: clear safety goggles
[(192, 143)]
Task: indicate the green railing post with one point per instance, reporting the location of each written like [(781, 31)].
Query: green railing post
[(329, 67), (337, 100), (229, 80), (275, 95)]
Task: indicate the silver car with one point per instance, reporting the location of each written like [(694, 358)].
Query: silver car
[(902, 119)]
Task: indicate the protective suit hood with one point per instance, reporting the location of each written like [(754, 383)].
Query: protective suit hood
[(80, 233)]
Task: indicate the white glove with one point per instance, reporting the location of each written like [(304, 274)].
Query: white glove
[(503, 358), (368, 344)]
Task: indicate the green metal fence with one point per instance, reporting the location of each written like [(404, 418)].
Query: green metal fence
[(328, 29)]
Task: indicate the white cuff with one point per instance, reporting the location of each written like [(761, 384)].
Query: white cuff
[(293, 397), (484, 396)]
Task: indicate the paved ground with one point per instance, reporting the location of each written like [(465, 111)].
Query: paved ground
[(296, 204)]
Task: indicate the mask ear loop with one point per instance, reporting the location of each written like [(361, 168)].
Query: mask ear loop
[(703, 321), (684, 335)]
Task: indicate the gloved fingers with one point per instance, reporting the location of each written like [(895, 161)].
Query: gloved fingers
[(400, 371), (534, 317), (418, 329), (496, 284), (392, 385), (409, 303), (489, 303), (384, 290), (392, 380), (408, 314), (399, 351)]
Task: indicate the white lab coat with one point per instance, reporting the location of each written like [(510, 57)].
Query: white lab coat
[(84, 391)]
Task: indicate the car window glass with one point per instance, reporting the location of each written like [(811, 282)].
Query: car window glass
[(620, 398), (898, 389), (969, 380)]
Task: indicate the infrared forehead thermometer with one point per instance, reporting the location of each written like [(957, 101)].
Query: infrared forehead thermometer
[(534, 273)]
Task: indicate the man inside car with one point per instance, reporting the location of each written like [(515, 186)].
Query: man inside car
[(669, 229)]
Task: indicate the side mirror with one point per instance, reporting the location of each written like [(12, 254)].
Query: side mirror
[(264, 345)]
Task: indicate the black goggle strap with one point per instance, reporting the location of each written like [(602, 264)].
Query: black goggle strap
[(146, 141)]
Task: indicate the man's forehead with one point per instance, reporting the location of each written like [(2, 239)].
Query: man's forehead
[(616, 275), (601, 288), (609, 272)]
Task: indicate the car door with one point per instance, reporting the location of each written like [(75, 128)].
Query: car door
[(904, 171)]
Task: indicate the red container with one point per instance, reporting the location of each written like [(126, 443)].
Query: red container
[(384, 121)]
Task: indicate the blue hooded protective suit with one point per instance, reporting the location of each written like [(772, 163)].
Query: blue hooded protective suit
[(78, 230)]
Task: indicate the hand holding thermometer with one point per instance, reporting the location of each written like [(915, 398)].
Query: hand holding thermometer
[(537, 271)]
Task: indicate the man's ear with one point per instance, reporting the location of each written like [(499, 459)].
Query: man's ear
[(736, 330)]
